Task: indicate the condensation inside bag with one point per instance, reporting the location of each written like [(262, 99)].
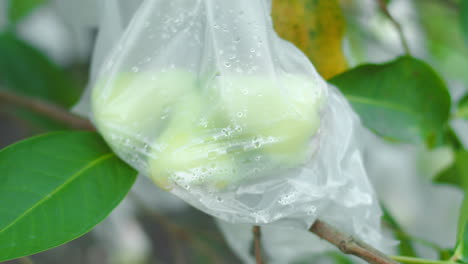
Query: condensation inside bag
[(203, 97)]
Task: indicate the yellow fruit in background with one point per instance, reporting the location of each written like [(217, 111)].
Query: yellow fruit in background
[(317, 27)]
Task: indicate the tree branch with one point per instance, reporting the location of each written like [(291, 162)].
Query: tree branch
[(257, 244), (349, 245), (52, 111), (384, 9)]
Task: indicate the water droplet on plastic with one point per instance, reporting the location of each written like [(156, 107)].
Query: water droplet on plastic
[(135, 69), (227, 64), (252, 50)]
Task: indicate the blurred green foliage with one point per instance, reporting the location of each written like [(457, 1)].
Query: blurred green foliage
[(19, 9)]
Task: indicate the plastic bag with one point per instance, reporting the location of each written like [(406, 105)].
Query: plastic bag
[(203, 97), (115, 15)]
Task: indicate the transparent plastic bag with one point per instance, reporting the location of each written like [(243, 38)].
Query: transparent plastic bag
[(114, 17), (204, 98)]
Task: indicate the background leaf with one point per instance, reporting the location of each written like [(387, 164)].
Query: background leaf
[(56, 187), (317, 27), (444, 40), (403, 100), (26, 70), (19, 9), (462, 111), (464, 18), (457, 173)]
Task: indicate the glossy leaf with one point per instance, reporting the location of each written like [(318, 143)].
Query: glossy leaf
[(462, 111), (55, 188), (26, 70), (19, 9), (317, 27), (403, 100)]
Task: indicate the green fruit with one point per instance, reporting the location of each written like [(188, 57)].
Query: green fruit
[(194, 136), (187, 154), (280, 116), (135, 104)]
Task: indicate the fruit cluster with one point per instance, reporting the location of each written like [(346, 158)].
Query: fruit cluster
[(212, 132)]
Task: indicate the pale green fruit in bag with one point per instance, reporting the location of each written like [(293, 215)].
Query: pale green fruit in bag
[(134, 104), (186, 154), (204, 140), (280, 116)]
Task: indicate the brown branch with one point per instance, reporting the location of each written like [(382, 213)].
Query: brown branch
[(383, 7), (349, 245), (257, 234), (52, 111)]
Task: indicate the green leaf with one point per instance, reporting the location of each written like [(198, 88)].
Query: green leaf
[(26, 70), (462, 111), (403, 100), (464, 18), (19, 9), (457, 173), (444, 40), (55, 188)]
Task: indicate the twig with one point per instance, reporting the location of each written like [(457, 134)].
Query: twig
[(349, 245), (52, 111), (257, 234), (404, 43)]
